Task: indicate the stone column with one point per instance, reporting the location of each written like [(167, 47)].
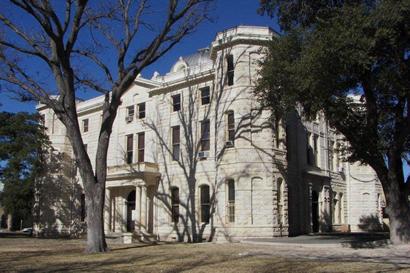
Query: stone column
[(137, 208), (144, 206), (107, 211)]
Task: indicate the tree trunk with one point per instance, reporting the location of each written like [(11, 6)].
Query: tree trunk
[(398, 210), (95, 220)]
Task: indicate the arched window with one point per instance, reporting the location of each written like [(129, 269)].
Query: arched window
[(231, 200), (205, 203), (175, 204)]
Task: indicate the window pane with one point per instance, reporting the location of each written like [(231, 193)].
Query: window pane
[(176, 102), (141, 147), (231, 190), (205, 133), (141, 110), (230, 70), (205, 95)]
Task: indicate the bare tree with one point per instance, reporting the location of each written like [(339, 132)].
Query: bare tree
[(119, 38)]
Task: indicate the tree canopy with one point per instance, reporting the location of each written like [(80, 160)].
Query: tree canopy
[(22, 147), (351, 60)]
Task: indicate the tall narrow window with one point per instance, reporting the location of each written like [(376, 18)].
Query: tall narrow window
[(175, 142), (205, 134), (85, 125), (130, 144), (205, 204), (279, 200), (130, 113), (230, 129), (231, 200), (205, 95), (316, 150), (176, 102), (230, 70), (86, 148), (175, 204), (309, 150), (82, 208), (141, 147), (331, 155), (141, 110)]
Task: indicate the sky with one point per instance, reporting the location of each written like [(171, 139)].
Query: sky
[(225, 14)]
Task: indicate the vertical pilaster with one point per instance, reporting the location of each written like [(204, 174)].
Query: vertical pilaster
[(144, 206)]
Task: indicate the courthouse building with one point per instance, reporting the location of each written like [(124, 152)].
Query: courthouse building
[(198, 134)]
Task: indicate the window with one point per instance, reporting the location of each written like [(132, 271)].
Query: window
[(231, 200), (230, 70), (309, 151), (230, 129), (82, 208), (141, 147), (130, 144), (331, 155), (279, 200), (42, 120), (141, 110), (205, 204), (205, 142), (176, 102), (316, 149), (130, 113), (86, 148), (205, 95), (85, 125), (175, 204), (175, 142)]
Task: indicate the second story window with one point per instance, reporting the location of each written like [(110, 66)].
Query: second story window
[(85, 125), (176, 102), (230, 71), (230, 142), (205, 135), (331, 155), (130, 148), (141, 110), (175, 142), (130, 113), (141, 147), (205, 95), (316, 150)]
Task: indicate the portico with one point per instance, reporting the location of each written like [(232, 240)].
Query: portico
[(130, 199)]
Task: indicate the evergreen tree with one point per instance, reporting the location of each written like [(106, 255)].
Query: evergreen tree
[(22, 146)]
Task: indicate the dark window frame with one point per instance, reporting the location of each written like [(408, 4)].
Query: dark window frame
[(176, 102), (141, 147), (175, 204), (129, 148), (231, 200), (230, 70), (205, 135), (205, 95), (141, 112), (85, 125), (176, 142), (205, 201), (230, 127)]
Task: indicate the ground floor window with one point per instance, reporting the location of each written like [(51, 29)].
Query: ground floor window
[(231, 200), (175, 204), (205, 203)]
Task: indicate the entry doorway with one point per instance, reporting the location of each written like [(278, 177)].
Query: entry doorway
[(315, 212), (130, 209)]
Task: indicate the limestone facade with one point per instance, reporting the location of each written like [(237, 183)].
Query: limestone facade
[(197, 133)]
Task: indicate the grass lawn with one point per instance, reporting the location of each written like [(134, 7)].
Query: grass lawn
[(50, 255)]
